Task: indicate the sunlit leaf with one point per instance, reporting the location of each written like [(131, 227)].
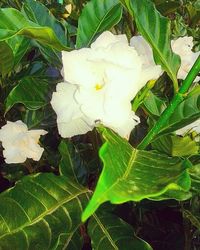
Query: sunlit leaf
[(132, 175)]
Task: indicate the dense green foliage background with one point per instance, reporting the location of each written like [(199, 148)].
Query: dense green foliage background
[(41, 202)]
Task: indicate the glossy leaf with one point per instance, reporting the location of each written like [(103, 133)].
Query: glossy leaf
[(132, 175), (13, 22), (155, 28), (6, 58), (46, 208), (107, 231), (32, 92), (97, 16)]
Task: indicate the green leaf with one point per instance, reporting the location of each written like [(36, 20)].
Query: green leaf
[(176, 145), (46, 207), (38, 13), (31, 91), (153, 104), (13, 22), (6, 58), (167, 7), (71, 163), (97, 16), (156, 30), (75, 243), (132, 175), (44, 118), (186, 112), (195, 178), (107, 231), (19, 46)]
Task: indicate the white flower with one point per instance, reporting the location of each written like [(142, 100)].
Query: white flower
[(19, 143), (193, 127), (183, 47), (100, 83)]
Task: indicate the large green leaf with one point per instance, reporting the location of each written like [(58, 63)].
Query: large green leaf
[(107, 231), (41, 212), (156, 30), (13, 22), (97, 16), (6, 58), (31, 91), (132, 175)]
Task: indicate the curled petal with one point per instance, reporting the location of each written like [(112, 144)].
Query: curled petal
[(70, 120), (107, 39)]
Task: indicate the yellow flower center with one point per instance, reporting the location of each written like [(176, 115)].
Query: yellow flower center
[(98, 86)]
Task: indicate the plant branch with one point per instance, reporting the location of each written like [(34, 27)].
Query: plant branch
[(179, 97)]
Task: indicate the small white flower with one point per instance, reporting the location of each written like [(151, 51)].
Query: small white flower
[(19, 143), (100, 83), (183, 47), (193, 127)]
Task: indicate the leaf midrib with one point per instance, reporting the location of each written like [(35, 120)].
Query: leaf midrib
[(105, 231)]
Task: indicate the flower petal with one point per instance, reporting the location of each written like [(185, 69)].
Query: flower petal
[(70, 120), (108, 39)]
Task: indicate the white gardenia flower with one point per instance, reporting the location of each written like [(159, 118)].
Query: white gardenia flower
[(193, 127), (19, 143), (99, 84), (183, 47)]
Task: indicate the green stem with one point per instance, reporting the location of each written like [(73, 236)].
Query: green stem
[(172, 106)]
